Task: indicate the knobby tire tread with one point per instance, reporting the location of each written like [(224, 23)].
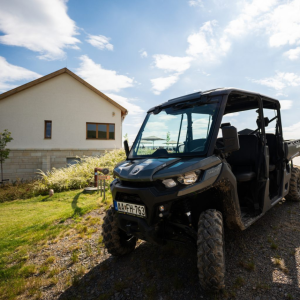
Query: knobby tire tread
[(112, 236), (210, 250), (294, 192)]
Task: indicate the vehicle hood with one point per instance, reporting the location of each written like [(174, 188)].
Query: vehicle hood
[(151, 169)]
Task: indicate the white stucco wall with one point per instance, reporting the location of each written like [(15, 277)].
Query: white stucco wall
[(69, 105)]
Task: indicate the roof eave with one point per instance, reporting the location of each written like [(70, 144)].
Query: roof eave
[(57, 73)]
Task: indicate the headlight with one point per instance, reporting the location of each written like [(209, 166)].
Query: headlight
[(188, 178), (169, 183)]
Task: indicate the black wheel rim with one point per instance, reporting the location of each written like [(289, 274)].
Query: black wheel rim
[(125, 237)]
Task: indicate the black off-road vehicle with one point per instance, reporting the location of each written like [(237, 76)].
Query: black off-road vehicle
[(199, 174)]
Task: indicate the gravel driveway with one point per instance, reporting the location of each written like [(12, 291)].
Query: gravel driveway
[(262, 262)]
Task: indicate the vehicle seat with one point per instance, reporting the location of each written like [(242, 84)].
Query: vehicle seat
[(272, 144), (244, 162)]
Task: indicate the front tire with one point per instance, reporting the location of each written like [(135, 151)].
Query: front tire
[(294, 191), (210, 250), (116, 241)]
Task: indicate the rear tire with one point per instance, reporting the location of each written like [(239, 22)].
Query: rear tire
[(210, 250), (294, 191), (116, 241)]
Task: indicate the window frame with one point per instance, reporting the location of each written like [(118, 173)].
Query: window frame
[(45, 128), (107, 131)]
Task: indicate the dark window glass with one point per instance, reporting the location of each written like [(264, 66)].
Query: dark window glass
[(91, 131), (111, 132), (102, 132), (48, 129), (73, 160)]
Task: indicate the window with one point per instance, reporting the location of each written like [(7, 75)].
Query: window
[(73, 160), (100, 131), (271, 114), (201, 125), (48, 130)]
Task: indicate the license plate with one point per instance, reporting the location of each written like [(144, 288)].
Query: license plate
[(130, 208)]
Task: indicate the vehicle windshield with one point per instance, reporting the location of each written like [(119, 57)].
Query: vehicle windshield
[(175, 131)]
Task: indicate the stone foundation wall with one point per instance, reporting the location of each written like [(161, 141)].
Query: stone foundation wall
[(23, 164)]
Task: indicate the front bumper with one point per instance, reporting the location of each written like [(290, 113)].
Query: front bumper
[(152, 197), (139, 228), (148, 196)]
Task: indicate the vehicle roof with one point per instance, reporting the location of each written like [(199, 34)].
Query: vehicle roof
[(213, 92)]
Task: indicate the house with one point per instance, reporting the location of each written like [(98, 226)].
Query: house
[(55, 118)]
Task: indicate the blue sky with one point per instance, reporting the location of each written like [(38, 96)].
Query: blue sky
[(142, 53)]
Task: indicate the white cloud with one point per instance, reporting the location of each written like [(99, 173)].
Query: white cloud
[(40, 25), (206, 44), (10, 73), (172, 63), (169, 63), (205, 73), (167, 117), (293, 54), (286, 104), (280, 94), (156, 126), (284, 24), (291, 132), (133, 109), (195, 3), (162, 83), (252, 17), (212, 42), (102, 79), (100, 41), (143, 53), (280, 23), (232, 115), (280, 80)]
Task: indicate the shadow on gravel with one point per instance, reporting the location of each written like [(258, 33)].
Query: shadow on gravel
[(262, 262), (150, 272)]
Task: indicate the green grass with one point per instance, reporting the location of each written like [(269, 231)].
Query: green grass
[(24, 224)]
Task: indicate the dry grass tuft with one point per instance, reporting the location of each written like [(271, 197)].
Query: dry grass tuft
[(248, 265), (79, 175), (279, 262), (50, 260), (240, 281)]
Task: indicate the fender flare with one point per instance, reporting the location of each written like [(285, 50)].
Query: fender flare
[(227, 185)]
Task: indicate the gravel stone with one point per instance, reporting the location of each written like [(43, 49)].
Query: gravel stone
[(170, 272)]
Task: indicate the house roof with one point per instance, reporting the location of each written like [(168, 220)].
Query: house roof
[(54, 74)]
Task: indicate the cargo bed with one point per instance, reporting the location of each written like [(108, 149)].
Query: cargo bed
[(292, 149)]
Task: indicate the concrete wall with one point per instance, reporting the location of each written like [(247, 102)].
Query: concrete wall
[(69, 105), (23, 164)]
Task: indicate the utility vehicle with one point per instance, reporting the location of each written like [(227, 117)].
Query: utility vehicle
[(201, 174)]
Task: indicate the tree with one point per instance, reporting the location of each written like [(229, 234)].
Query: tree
[(5, 137), (168, 139), (126, 137)]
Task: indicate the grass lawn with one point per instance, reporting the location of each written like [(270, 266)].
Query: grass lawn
[(24, 224)]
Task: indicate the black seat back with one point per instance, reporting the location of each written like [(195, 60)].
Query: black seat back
[(272, 144), (246, 158)]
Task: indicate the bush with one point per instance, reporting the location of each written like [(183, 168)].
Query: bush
[(17, 190), (79, 175)]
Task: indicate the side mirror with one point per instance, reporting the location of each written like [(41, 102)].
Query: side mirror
[(126, 148), (230, 139), (266, 122)]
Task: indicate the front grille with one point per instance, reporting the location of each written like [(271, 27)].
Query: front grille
[(131, 198), (137, 184)]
